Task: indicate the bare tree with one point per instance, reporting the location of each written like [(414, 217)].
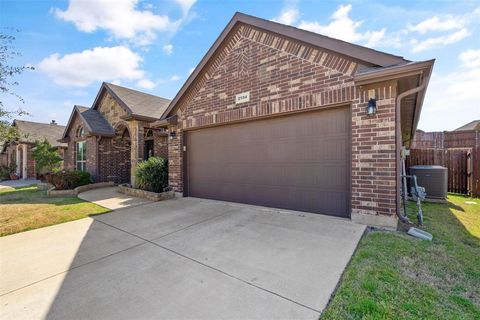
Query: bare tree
[(7, 83)]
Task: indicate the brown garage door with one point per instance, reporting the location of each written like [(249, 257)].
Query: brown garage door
[(298, 162)]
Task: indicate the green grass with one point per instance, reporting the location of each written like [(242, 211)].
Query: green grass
[(395, 276), (28, 208)]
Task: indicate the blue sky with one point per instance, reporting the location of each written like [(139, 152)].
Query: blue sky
[(153, 45)]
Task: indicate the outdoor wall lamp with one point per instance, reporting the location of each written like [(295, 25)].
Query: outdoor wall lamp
[(173, 134), (372, 107)]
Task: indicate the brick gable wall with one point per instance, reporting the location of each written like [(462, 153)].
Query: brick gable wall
[(285, 76)]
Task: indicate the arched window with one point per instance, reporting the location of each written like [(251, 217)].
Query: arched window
[(80, 132), (81, 151), (149, 134)]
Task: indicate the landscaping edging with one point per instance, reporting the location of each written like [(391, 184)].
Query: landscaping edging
[(153, 196), (73, 192)]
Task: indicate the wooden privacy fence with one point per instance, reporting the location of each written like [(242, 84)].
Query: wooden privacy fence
[(463, 166)]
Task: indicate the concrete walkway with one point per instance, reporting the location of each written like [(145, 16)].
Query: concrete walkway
[(177, 259), (17, 183), (112, 199)]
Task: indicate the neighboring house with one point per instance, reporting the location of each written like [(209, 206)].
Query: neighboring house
[(20, 151), (474, 125), (276, 116), (111, 137)]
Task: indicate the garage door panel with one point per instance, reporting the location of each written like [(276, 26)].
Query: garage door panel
[(299, 162)]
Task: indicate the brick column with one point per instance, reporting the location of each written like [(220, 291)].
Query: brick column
[(92, 156), (175, 160), (17, 159), (134, 149), (374, 158), (24, 161)]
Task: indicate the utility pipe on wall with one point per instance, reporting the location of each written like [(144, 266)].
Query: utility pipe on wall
[(407, 93)]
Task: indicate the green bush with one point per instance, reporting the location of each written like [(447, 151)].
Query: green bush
[(4, 173), (152, 174), (6, 170), (66, 180)]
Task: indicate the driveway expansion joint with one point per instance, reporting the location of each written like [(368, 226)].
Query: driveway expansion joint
[(73, 268)]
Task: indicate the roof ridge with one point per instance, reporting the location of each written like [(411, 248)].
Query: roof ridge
[(141, 92), (43, 123), (245, 15)]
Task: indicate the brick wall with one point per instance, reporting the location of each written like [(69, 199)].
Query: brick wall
[(31, 172), (374, 155), (285, 76), (160, 144), (91, 145)]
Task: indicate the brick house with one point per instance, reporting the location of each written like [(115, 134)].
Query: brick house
[(277, 116), (20, 151), (111, 137)]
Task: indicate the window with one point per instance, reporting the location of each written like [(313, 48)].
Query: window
[(81, 154), (80, 132), (148, 146)]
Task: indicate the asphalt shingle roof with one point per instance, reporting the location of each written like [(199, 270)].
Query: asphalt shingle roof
[(33, 131), (140, 103), (96, 123), (475, 124)]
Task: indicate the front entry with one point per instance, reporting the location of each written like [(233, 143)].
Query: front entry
[(114, 157)]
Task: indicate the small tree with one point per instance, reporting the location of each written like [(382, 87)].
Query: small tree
[(46, 157)]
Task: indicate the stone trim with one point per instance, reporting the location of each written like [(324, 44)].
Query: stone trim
[(73, 192), (153, 196)]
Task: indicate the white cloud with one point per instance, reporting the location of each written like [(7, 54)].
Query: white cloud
[(191, 70), (344, 28), (168, 49), (470, 58), (452, 98), (447, 23), (175, 77), (287, 16), (120, 18), (186, 5), (438, 42), (146, 84), (99, 64)]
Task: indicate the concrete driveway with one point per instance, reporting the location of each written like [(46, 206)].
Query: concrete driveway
[(178, 259)]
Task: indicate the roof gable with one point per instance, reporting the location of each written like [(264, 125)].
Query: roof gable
[(135, 103), (93, 121), (350, 51)]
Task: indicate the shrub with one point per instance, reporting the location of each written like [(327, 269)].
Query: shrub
[(46, 157), (4, 172), (66, 180), (152, 174)]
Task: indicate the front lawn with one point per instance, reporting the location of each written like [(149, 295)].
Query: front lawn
[(394, 276), (27, 208)]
